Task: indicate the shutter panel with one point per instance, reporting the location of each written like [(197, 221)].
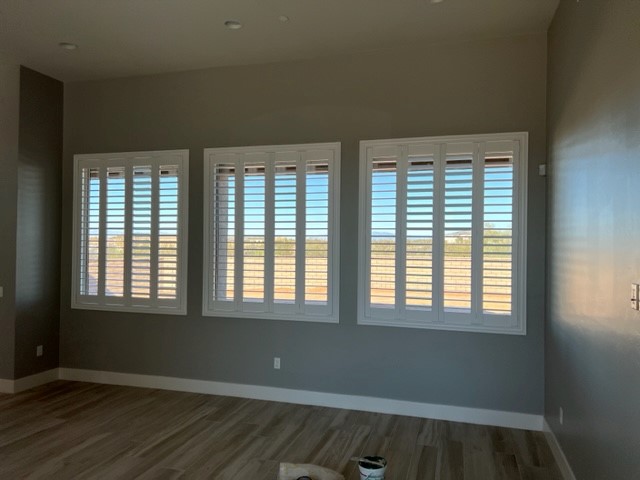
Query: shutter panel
[(383, 228), (419, 237), (253, 251), (222, 253), (316, 238), (458, 212), (141, 233), (89, 231), (498, 240), (168, 202), (285, 228), (115, 220)]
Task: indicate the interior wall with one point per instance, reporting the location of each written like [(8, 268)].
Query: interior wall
[(9, 113), (38, 223), (593, 336), (487, 86)]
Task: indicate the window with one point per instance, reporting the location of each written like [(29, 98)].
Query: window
[(442, 233), (130, 232), (271, 232)]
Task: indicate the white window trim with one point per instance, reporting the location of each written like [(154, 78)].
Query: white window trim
[(103, 159), (208, 309), (518, 316)]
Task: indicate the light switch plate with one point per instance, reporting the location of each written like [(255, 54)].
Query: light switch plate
[(542, 169), (635, 296), (1, 292)]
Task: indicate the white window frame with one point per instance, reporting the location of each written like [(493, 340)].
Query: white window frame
[(476, 321), (299, 311), (129, 160)]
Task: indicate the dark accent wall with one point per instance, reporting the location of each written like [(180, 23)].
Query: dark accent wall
[(487, 86), (9, 108), (592, 335), (38, 223)]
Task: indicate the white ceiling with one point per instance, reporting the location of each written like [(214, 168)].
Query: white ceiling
[(119, 38)]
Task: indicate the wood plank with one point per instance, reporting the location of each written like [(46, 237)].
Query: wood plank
[(82, 430)]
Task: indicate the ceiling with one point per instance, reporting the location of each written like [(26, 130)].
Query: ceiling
[(118, 38)]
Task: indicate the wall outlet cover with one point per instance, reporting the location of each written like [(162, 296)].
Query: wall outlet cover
[(561, 416)]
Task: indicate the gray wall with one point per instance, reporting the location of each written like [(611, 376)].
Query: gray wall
[(9, 108), (593, 336), (487, 86), (38, 223)]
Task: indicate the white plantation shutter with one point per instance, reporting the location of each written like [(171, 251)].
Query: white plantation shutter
[(443, 223), (400, 223), (285, 227), (317, 197), (90, 234), (382, 230), (420, 294), (253, 223), (168, 227), (500, 233), (222, 245), (141, 232), (458, 233), (271, 223), (130, 232)]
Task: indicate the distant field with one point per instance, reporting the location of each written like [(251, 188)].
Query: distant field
[(497, 295)]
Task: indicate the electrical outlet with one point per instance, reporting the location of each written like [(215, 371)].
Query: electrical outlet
[(635, 296), (39, 351), (561, 416), (276, 363)]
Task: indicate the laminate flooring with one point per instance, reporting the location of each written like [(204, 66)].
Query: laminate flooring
[(80, 430)]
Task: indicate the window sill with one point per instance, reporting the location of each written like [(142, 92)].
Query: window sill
[(272, 316), (130, 309), (519, 330)]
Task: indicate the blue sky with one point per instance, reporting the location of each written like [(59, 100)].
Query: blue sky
[(383, 195)]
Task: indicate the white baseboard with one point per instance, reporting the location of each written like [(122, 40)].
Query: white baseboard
[(558, 453), (32, 381), (6, 386), (304, 397)]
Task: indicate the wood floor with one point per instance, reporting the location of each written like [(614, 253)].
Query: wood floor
[(82, 430)]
